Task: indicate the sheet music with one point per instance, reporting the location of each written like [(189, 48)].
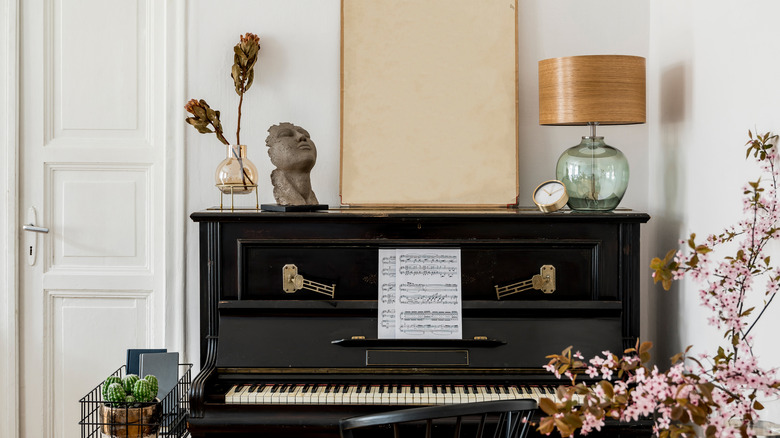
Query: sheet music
[(428, 294), (387, 295)]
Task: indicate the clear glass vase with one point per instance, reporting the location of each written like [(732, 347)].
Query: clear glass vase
[(236, 174), (595, 175)]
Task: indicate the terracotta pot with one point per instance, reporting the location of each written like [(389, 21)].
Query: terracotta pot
[(127, 422)]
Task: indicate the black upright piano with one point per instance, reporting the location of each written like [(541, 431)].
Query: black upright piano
[(288, 311)]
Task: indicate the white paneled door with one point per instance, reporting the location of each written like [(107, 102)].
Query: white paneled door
[(99, 168)]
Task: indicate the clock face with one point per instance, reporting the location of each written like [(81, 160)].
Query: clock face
[(550, 196)]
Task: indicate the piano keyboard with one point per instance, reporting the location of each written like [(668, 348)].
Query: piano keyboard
[(396, 394)]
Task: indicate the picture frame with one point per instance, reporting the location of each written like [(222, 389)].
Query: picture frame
[(429, 96)]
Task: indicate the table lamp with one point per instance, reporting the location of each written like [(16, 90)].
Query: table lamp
[(592, 90)]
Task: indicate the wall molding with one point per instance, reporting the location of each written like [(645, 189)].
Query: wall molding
[(176, 217), (9, 150)]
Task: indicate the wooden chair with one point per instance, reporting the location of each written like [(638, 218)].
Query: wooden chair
[(502, 418)]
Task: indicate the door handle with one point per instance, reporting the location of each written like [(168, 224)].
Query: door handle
[(31, 238), (34, 229)]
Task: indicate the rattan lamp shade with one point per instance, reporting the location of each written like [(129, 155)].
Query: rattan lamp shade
[(603, 89)]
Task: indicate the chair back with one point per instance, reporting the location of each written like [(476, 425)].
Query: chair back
[(497, 419)]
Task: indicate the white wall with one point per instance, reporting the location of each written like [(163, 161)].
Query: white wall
[(9, 136), (714, 76), (297, 80)]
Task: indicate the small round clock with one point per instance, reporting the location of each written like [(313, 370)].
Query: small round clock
[(550, 196)]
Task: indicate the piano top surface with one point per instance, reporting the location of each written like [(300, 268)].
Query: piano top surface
[(516, 213)]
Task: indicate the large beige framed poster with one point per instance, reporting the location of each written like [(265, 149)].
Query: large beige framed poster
[(429, 103)]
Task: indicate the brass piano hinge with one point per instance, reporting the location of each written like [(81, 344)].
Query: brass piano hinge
[(292, 282), (544, 281)]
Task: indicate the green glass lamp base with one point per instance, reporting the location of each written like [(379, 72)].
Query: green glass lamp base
[(595, 175)]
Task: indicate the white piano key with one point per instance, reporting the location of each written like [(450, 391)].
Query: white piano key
[(244, 395), (304, 395), (229, 395), (275, 396), (373, 397), (479, 391), (406, 395), (384, 395), (338, 395), (440, 396), (459, 396), (492, 391), (353, 394), (320, 396), (394, 395), (362, 395), (295, 397), (504, 393), (279, 397), (265, 394), (421, 395), (538, 394), (252, 394), (515, 392)]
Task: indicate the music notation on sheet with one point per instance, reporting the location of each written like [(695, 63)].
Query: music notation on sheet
[(419, 294), (387, 294)]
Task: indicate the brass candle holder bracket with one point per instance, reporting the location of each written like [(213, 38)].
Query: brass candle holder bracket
[(543, 281), (293, 282)]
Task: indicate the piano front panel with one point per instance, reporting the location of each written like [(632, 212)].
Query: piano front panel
[(276, 341), (353, 268)]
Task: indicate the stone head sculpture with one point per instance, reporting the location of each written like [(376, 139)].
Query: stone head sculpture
[(294, 154)]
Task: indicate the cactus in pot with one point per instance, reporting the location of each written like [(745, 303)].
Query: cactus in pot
[(130, 407), (131, 390)]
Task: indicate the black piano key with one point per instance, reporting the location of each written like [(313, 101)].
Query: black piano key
[(327, 389), (305, 389), (390, 389), (359, 389), (488, 390), (381, 389), (412, 389), (435, 390), (465, 389), (252, 388)]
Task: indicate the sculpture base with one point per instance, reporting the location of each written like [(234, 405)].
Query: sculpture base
[(289, 208)]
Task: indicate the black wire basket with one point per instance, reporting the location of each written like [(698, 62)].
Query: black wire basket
[(166, 417)]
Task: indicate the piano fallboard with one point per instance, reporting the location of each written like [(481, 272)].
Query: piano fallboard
[(256, 335)]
